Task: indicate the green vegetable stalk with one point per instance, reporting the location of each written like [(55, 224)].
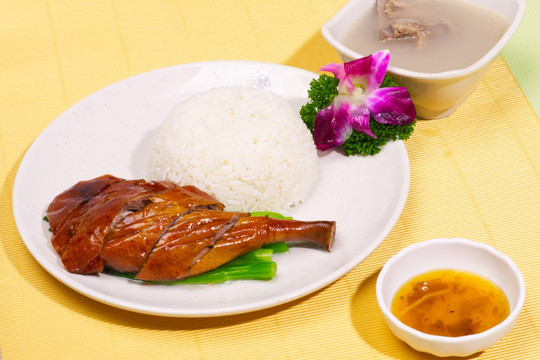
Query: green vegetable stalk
[(255, 265)]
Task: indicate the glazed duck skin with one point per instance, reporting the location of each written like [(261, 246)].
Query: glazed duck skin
[(161, 231), (253, 232), (74, 197), (82, 253), (131, 240), (184, 243)]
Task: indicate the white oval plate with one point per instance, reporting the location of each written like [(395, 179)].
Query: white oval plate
[(110, 131)]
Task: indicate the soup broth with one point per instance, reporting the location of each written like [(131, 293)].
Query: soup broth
[(457, 34)]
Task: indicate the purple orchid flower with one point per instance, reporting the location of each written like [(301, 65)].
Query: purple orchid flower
[(360, 96)]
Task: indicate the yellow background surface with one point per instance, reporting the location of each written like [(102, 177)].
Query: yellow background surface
[(475, 174)]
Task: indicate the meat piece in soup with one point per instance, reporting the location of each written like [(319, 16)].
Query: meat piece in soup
[(406, 19)]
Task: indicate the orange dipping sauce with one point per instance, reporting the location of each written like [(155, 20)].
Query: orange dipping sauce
[(450, 303)]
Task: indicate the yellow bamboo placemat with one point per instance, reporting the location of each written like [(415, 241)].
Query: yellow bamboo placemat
[(475, 174)]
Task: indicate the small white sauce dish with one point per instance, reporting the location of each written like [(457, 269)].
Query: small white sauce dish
[(458, 254), (435, 95)]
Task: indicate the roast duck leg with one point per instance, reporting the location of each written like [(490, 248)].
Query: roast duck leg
[(161, 231)]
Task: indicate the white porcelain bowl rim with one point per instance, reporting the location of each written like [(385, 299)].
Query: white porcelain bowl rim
[(491, 54), (444, 339)]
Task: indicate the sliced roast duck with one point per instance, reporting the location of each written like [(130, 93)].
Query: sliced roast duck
[(159, 230)]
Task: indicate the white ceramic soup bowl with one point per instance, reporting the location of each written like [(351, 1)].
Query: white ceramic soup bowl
[(458, 254), (435, 95)]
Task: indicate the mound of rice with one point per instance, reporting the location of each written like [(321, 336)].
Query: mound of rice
[(246, 146)]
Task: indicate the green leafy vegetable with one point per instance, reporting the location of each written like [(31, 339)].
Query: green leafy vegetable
[(46, 219), (322, 92), (248, 271), (277, 248), (270, 214), (260, 255)]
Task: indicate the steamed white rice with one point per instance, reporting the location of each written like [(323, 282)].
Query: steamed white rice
[(246, 146)]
